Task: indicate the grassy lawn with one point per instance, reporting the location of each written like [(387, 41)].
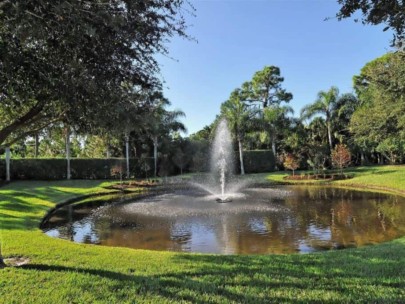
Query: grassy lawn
[(63, 272), (384, 178)]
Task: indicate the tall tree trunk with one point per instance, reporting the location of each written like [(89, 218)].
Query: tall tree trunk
[(155, 146), (8, 158), (273, 147), (36, 145), (329, 135), (68, 171), (127, 152), (107, 150), (362, 158), (242, 167)]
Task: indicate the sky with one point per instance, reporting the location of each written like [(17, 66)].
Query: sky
[(236, 38)]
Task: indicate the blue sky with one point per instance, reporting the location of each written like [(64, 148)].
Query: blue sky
[(237, 38)]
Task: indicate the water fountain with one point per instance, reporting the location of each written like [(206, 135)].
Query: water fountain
[(222, 157), (221, 182)]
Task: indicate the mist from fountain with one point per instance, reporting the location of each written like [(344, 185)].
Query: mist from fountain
[(221, 182)]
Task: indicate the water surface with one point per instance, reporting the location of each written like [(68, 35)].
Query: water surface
[(285, 219)]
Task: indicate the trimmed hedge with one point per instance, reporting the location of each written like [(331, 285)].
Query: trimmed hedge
[(100, 168), (81, 168), (256, 161)]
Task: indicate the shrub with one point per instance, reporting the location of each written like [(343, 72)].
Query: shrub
[(291, 162), (341, 157)]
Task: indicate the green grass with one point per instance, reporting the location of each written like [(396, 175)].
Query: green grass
[(385, 178), (63, 272)]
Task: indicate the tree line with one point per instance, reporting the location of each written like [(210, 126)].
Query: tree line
[(369, 123), (81, 77)]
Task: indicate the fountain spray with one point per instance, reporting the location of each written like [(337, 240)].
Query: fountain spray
[(222, 158)]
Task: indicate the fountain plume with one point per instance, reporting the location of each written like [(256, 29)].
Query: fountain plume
[(222, 157)]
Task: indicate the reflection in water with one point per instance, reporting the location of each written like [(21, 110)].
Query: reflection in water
[(262, 220)]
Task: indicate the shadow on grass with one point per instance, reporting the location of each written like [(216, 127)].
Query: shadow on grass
[(374, 274), (377, 273), (23, 204), (176, 287), (10, 222), (370, 170), (16, 213), (384, 172)]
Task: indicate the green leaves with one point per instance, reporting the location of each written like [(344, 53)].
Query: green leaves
[(75, 55), (379, 122), (237, 113), (389, 12), (265, 87)]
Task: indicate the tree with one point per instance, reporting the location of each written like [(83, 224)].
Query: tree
[(133, 118), (389, 12), (315, 145), (180, 159), (203, 134), (378, 124), (345, 106), (291, 162), (265, 88), (98, 146), (161, 123), (325, 104), (73, 60), (341, 157), (118, 171), (273, 118), (238, 115)]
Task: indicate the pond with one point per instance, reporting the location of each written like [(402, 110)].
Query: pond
[(259, 220)]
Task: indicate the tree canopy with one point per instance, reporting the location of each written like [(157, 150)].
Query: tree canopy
[(73, 59), (265, 87), (379, 123)]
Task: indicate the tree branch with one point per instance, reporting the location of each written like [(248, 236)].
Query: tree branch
[(21, 121)]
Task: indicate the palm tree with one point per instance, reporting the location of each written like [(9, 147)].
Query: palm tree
[(273, 117), (161, 123), (325, 104), (238, 114)]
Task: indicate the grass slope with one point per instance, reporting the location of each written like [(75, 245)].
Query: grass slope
[(385, 178), (63, 272)]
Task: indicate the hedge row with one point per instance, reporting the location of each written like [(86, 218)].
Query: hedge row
[(81, 168), (85, 168), (257, 161)]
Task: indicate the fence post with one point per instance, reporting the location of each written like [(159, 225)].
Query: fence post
[(8, 157)]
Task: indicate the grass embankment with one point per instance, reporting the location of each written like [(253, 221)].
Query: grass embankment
[(383, 178), (63, 272)]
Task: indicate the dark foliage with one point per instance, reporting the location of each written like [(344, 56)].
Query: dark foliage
[(388, 12)]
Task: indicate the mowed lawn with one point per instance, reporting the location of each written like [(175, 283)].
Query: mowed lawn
[(63, 272)]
